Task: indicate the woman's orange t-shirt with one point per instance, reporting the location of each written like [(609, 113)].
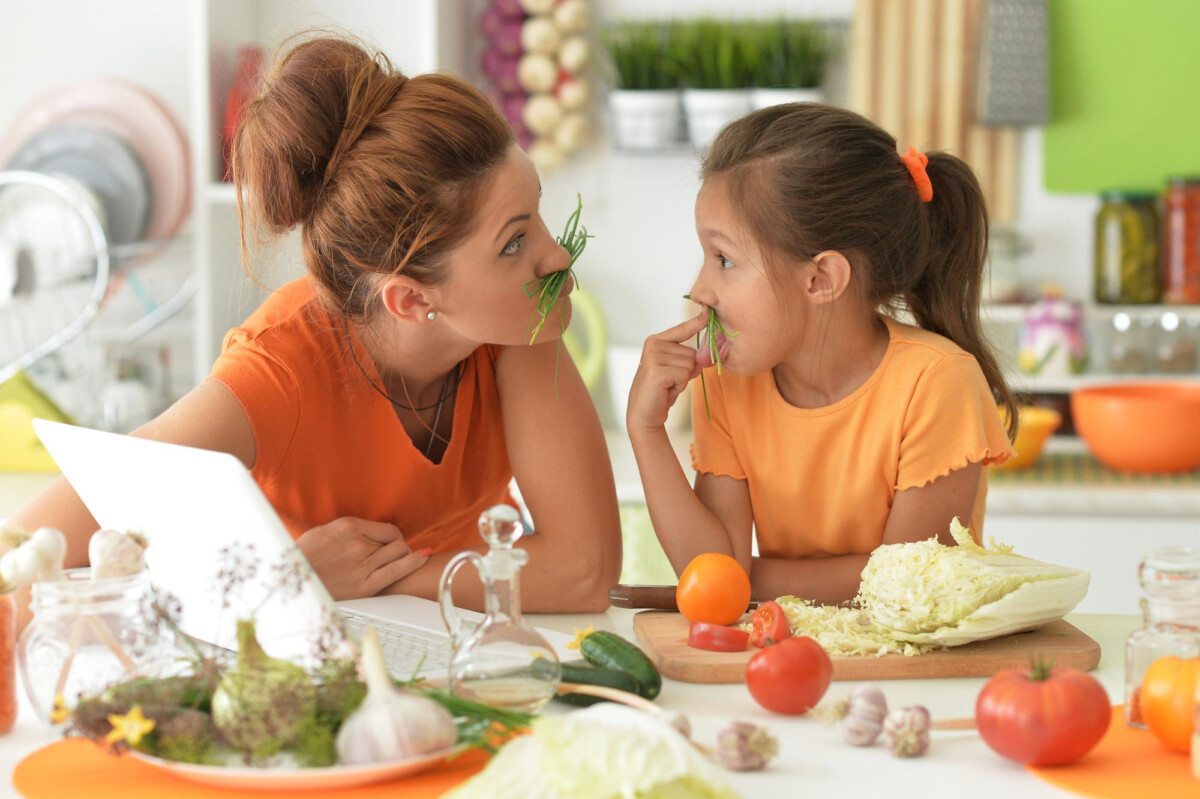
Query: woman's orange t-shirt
[(329, 445), (822, 480)]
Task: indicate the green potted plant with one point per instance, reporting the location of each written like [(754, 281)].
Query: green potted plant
[(644, 101), (787, 60), (713, 66)]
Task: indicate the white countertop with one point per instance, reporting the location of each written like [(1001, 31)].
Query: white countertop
[(813, 760)]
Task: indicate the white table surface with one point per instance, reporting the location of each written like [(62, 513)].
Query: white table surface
[(813, 760)]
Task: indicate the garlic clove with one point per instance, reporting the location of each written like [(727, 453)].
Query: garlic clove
[(746, 747), (906, 731), (114, 553), (391, 723)]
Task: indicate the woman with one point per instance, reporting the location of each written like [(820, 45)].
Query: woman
[(386, 398)]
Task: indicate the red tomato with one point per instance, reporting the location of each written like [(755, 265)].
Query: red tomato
[(790, 676), (713, 588), (771, 624), (716, 638), (1042, 715)]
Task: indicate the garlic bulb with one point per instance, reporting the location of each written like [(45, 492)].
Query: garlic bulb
[(574, 53), (746, 747), (546, 155), (537, 73), (39, 559), (573, 94), (571, 132), (571, 16), (538, 35), (116, 554), (542, 114), (906, 731), (391, 723), (865, 712), (537, 6)]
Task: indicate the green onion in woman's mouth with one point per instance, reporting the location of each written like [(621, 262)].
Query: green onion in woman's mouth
[(549, 289)]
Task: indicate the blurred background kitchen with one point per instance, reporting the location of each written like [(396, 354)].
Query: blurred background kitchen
[(119, 247)]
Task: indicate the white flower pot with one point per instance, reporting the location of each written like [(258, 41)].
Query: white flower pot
[(765, 98), (646, 120), (709, 110)]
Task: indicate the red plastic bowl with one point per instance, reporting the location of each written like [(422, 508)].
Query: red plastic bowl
[(1141, 427)]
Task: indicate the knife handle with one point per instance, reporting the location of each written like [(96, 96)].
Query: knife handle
[(658, 597)]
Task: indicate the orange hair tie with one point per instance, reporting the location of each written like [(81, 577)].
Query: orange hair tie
[(916, 162)]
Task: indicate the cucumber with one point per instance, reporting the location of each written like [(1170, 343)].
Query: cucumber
[(610, 651), (581, 671)]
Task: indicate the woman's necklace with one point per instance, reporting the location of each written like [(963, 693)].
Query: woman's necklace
[(449, 386)]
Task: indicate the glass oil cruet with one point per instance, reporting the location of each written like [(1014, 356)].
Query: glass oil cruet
[(501, 661), (1170, 579)]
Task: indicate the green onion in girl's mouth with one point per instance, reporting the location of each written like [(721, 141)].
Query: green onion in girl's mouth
[(713, 329), (549, 289)]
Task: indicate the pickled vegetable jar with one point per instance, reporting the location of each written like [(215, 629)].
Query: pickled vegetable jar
[(1181, 242), (8, 662), (1127, 263)]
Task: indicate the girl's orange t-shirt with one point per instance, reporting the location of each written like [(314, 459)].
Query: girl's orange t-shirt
[(822, 480), (328, 445)]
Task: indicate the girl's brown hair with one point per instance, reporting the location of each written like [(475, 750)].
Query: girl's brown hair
[(381, 172), (809, 178)]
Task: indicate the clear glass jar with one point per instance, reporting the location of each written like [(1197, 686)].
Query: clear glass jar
[(1170, 579), (1126, 249), (1129, 344), (1175, 352), (87, 635)]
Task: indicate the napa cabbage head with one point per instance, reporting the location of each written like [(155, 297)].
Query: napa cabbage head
[(607, 751), (924, 586)]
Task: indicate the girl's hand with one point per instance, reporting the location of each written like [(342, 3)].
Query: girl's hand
[(356, 558), (668, 365)]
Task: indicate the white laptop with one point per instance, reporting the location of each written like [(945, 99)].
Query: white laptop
[(217, 545)]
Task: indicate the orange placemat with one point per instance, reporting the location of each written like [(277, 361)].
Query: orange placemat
[(78, 767), (1126, 764)]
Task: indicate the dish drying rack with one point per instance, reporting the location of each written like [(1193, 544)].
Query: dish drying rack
[(50, 300)]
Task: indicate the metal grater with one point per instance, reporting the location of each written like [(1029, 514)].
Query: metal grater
[(1014, 86)]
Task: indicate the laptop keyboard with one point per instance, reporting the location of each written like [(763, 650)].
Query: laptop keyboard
[(405, 651)]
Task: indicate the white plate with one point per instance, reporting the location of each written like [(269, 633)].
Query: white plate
[(298, 779)]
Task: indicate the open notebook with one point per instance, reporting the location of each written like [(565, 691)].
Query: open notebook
[(217, 545)]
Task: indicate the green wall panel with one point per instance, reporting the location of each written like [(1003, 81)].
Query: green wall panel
[(1125, 89)]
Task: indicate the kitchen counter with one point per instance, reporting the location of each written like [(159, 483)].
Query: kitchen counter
[(813, 760)]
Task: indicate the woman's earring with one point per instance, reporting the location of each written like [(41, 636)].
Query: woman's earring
[(431, 315)]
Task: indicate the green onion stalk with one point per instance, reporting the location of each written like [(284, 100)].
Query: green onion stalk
[(712, 330), (549, 289)]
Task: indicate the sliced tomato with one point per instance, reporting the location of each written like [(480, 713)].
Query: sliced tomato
[(770, 624), (717, 638)]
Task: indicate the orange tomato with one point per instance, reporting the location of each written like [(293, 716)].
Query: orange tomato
[(1168, 700), (713, 588)]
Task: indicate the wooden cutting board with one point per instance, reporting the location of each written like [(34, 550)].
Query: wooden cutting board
[(663, 636)]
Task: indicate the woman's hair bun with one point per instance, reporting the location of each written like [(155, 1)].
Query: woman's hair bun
[(314, 103)]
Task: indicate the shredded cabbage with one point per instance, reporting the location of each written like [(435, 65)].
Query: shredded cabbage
[(924, 595)]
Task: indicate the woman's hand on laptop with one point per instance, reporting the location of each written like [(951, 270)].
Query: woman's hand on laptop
[(356, 558)]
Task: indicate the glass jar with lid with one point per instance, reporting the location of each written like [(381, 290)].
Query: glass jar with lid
[(87, 635), (1175, 352), (1181, 241), (1126, 249), (1130, 343), (1170, 579)]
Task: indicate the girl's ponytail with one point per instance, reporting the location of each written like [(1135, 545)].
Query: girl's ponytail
[(946, 298)]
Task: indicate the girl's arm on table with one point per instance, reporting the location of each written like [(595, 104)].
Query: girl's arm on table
[(560, 460), (917, 514), (688, 522)]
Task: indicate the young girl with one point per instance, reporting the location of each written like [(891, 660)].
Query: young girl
[(830, 427), (388, 397)]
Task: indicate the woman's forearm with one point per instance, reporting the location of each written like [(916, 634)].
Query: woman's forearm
[(553, 581), (685, 526), (826, 581)]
